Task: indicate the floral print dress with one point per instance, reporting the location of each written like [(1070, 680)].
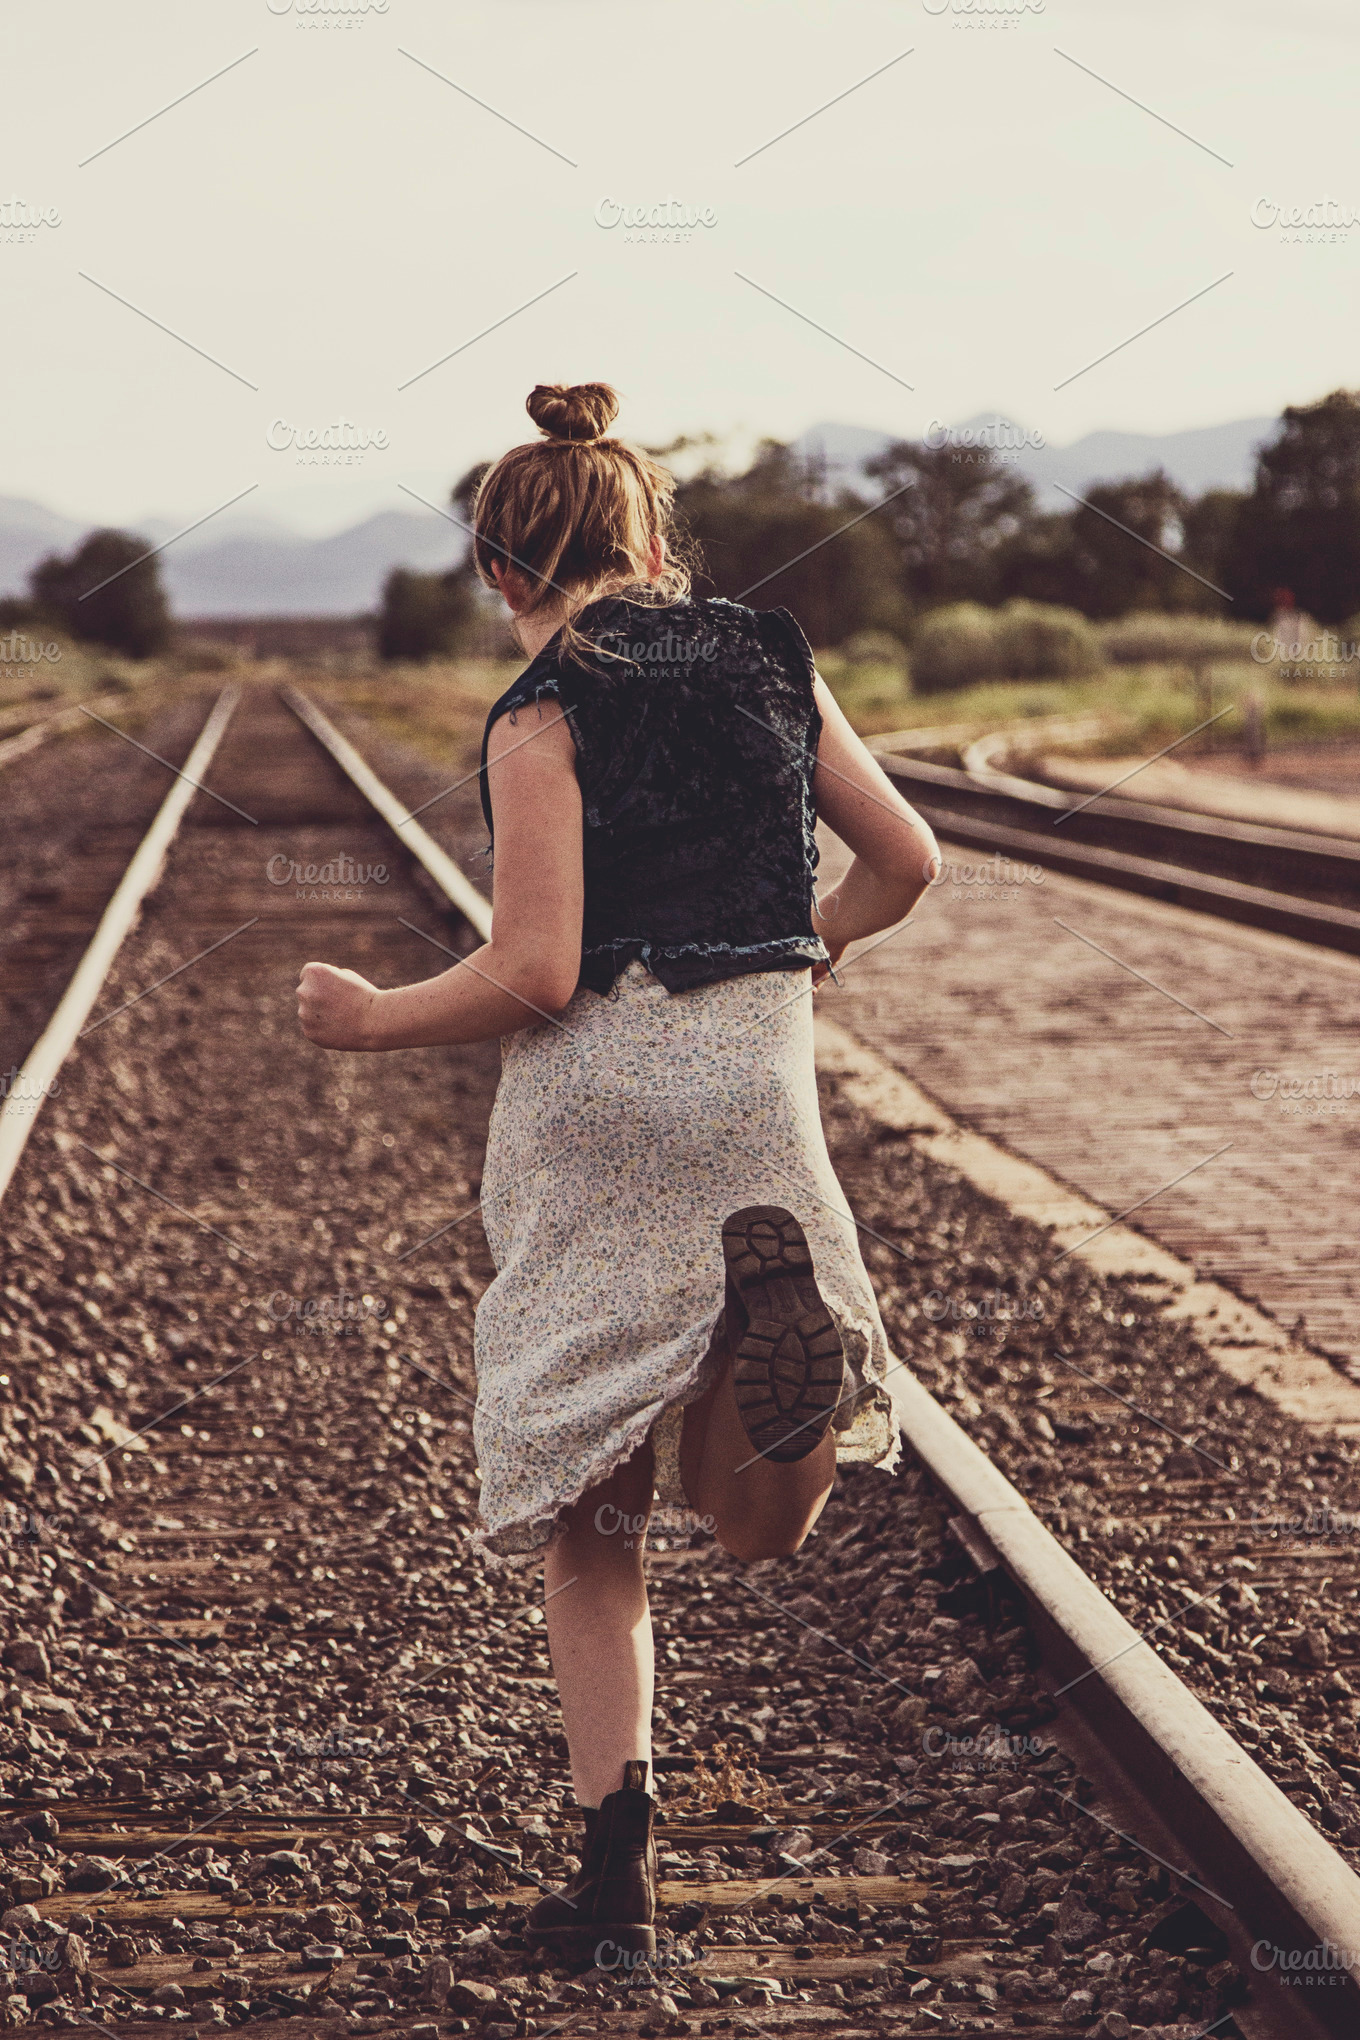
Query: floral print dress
[(620, 1140)]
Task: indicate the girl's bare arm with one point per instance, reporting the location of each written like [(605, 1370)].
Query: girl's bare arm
[(895, 852), (529, 969)]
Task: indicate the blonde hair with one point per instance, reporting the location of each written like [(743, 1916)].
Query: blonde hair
[(576, 512)]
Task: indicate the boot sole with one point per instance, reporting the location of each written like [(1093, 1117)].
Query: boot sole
[(582, 1945), (788, 1367)]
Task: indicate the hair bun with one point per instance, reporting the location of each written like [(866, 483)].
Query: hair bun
[(580, 413)]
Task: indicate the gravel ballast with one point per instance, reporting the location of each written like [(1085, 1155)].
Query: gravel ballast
[(276, 1746)]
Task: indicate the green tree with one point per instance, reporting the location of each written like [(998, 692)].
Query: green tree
[(1036, 562), (108, 592), (1300, 527), (952, 513), (1211, 524), (1114, 551), (424, 616), (770, 537)]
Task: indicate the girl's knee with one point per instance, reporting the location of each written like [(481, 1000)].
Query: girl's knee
[(750, 1542), (604, 1538)]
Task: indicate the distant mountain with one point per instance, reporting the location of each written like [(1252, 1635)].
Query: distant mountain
[(28, 533), (1208, 457), (842, 450), (251, 573), (253, 565)]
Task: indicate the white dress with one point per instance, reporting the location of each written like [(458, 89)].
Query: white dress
[(619, 1142)]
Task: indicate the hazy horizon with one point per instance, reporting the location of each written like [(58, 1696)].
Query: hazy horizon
[(988, 219), (299, 512)]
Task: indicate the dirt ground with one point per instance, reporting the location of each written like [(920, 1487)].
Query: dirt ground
[(240, 1602)]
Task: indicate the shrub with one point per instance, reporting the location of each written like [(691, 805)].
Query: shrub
[(108, 593), (1153, 638), (953, 647), (1038, 641), (875, 697), (422, 615), (875, 648)]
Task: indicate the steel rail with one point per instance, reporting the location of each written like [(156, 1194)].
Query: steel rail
[(1297, 862), (1310, 921), (31, 1085), (457, 889), (1287, 1883)]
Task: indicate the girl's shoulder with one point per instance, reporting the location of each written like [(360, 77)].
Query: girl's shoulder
[(620, 641), (695, 633), (541, 678)]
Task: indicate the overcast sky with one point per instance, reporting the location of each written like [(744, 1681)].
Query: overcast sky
[(981, 220)]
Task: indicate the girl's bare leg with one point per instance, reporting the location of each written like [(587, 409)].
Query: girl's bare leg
[(760, 1509), (600, 1629)]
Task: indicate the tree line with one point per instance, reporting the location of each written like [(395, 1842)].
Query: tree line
[(942, 525), (933, 526)]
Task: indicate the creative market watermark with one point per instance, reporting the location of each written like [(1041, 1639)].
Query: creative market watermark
[(609, 1955), (991, 1749), (334, 1747), (984, 13), (339, 1315), (666, 1521), (19, 650), (989, 879), (982, 1315), (22, 1525), (328, 13), (338, 444), (21, 223), (339, 879), (997, 444), (669, 657), (30, 1958), (1305, 1968), (1325, 657), (20, 1096), (1318, 1094), (1318, 1520), (664, 222), (1322, 221)]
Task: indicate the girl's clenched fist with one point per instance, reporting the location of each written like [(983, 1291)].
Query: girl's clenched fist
[(336, 1008)]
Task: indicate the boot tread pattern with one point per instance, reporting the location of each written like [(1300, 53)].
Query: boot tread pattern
[(788, 1366)]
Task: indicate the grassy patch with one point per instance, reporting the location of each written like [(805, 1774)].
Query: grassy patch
[(438, 708), (130, 691), (876, 697), (33, 688), (1146, 706)]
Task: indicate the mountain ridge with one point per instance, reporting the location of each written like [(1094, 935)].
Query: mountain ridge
[(1202, 457), (253, 564)]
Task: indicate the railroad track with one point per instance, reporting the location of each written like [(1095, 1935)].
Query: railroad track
[(1293, 884), (26, 725), (914, 1781)]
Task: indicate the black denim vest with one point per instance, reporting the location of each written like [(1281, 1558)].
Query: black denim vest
[(696, 736)]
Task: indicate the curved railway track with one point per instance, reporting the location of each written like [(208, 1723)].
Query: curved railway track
[(1307, 886), (914, 1782)]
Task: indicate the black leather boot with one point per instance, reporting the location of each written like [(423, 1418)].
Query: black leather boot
[(788, 1365), (609, 1907)]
